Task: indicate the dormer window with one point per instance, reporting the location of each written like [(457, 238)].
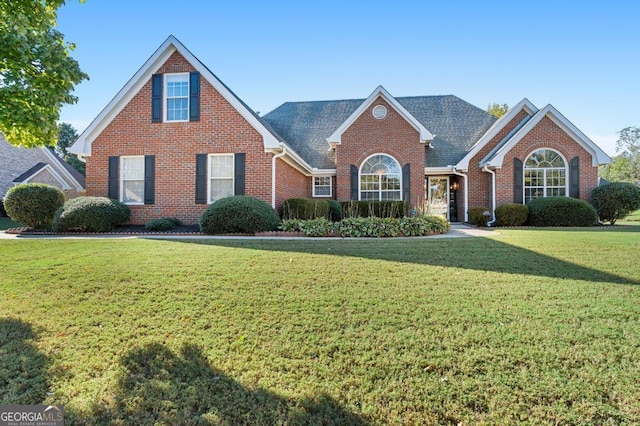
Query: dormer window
[(175, 97), (176, 102)]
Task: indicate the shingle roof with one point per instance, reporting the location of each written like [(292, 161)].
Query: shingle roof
[(457, 125), (24, 176)]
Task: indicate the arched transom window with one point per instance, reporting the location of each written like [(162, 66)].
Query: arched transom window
[(380, 179), (545, 175)]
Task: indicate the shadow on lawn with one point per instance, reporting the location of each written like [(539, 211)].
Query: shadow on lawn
[(23, 369), (483, 254), (160, 387)]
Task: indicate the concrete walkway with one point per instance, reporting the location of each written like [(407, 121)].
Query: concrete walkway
[(457, 231)]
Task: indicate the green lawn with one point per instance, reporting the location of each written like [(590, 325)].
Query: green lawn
[(633, 219), (529, 326), (6, 223)]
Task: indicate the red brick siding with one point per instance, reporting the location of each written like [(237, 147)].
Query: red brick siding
[(221, 129), (392, 135), (290, 183), (479, 181), (546, 134)]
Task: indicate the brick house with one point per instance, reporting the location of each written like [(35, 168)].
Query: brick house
[(175, 139)]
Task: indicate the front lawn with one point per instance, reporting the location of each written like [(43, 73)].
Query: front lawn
[(6, 223), (529, 326)]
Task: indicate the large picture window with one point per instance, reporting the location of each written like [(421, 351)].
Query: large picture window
[(220, 176), (545, 175), (177, 97), (380, 179), (132, 179)]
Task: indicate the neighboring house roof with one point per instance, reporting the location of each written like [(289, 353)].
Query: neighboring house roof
[(496, 156), (133, 86), (454, 124), (21, 164)]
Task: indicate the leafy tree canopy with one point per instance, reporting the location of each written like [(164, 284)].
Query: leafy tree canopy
[(37, 73), (625, 166), (67, 135), (497, 110)]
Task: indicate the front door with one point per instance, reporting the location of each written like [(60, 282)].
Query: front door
[(438, 195)]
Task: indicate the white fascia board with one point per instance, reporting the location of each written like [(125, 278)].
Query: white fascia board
[(525, 104), (65, 172), (432, 171), (425, 135), (324, 172), (598, 156), (140, 78)]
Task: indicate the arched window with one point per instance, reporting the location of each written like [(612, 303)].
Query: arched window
[(380, 179), (545, 175)]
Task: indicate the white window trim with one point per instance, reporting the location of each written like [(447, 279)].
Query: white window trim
[(165, 97), (330, 187), (524, 171), (209, 178), (379, 190), (121, 183)]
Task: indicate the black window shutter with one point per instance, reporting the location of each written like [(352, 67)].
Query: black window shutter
[(406, 183), (354, 182), (574, 177), (114, 178), (518, 177), (156, 98), (194, 96), (149, 179), (201, 178), (238, 173)]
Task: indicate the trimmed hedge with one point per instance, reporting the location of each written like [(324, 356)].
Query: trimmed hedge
[(477, 217), (33, 204), (91, 214), (561, 211), (375, 227), (335, 211), (239, 214), (512, 214), (162, 224), (305, 208), (394, 209), (615, 200)]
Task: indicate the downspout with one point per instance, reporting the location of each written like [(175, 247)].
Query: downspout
[(493, 194), (273, 173), (466, 192)]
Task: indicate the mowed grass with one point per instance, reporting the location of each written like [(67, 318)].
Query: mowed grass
[(529, 326), (6, 223)]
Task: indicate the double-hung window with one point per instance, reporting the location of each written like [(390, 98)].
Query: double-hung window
[(177, 97), (132, 179), (322, 186), (220, 176)]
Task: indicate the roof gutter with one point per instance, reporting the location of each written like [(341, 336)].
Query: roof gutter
[(493, 194), (282, 153)]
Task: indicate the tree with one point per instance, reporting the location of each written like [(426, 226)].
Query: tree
[(625, 166), (497, 110), (37, 73), (67, 135)]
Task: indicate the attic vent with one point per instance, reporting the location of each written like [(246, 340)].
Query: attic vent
[(379, 112)]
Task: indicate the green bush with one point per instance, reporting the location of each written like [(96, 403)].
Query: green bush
[(383, 209), (424, 225), (162, 224), (241, 214), (33, 204), (512, 214), (91, 214), (335, 211), (376, 227), (561, 211), (304, 208), (477, 216), (615, 200)]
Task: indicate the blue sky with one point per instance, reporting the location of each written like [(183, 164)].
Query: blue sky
[(583, 57)]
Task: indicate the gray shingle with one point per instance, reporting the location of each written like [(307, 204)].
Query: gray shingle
[(457, 124)]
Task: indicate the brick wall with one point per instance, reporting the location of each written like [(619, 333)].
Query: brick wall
[(290, 183), (221, 129), (546, 134), (393, 136)]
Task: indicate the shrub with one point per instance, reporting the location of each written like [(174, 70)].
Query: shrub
[(424, 225), (162, 224), (375, 209), (615, 200), (304, 208), (561, 211), (512, 214), (91, 214), (33, 204), (369, 226), (477, 216), (241, 214), (335, 211), (317, 227)]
